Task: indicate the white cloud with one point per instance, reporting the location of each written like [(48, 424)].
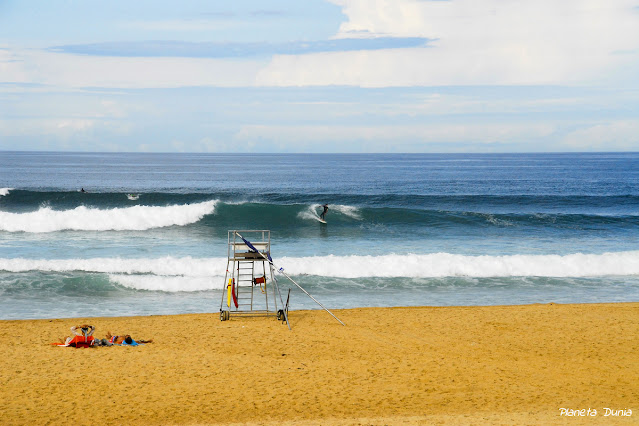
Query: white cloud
[(208, 144), (213, 144), (477, 43), (490, 42), (439, 133), (74, 71), (62, 128), (12, 67), (617, 135)]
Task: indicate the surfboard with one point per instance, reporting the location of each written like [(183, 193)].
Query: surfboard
[(320, 220), (231, 292), (234, 292)]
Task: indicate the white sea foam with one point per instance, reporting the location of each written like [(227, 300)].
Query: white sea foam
[(168, 284), (117, 219), (165, 266), (349, 211), (5, 191), (311, 212), (449, 265), (192, 274), (164, 274)]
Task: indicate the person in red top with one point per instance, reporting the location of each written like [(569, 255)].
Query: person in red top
[(83, 336)]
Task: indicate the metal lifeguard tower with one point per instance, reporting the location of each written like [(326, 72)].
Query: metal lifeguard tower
[(250, 287)]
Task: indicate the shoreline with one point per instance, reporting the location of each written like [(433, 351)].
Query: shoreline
[(318, 309), (411, 365)]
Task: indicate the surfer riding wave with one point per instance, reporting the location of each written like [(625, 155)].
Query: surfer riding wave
[(323, 215)]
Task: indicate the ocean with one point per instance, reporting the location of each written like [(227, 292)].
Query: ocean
[(149, 234)]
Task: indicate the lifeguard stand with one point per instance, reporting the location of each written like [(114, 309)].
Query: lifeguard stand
[(250, 288)]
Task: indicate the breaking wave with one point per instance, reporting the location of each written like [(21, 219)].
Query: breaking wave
[(454, 265), (168, 284), (173, 274), (158, 266), (84, 218), (312, 211)]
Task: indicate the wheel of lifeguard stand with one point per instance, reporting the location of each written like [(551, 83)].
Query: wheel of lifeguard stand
[(280, 315), (222, 316)]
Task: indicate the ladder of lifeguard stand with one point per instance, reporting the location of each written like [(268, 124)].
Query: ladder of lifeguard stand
[(257, 251), (245, 273), (241, 268)]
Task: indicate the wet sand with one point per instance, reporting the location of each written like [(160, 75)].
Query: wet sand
[(425, 365)]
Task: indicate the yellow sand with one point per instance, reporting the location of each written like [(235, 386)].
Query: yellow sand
[(457, 365)]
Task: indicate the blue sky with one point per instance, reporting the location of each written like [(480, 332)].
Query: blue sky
[(320, 76)]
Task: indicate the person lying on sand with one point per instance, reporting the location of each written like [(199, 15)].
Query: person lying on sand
[(124, 340)]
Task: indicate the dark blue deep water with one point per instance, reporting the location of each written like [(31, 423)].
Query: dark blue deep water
[(149, 234)]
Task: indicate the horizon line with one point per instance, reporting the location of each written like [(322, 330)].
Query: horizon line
[(321, 153)]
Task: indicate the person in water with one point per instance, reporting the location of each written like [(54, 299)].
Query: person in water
[(323, 215), (82, 190)]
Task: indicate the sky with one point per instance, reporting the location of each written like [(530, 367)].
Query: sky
[(316, 76)]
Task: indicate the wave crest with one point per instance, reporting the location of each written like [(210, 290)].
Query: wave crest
[(194, 274), (311, 211), (136, 218), (438, 265)]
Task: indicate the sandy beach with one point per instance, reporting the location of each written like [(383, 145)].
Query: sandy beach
[(426, 365)]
